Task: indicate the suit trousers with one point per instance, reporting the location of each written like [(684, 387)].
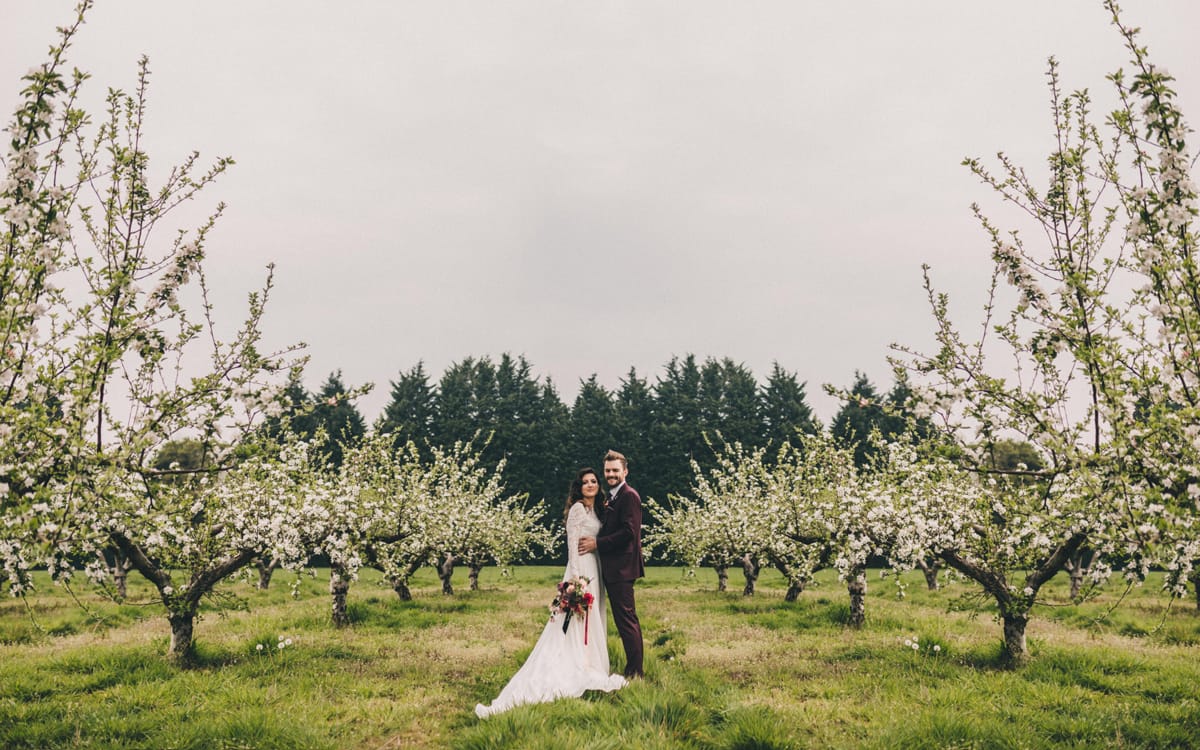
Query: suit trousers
[(620, 598)]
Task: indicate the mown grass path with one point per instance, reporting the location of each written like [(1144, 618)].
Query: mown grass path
[(723, 671)]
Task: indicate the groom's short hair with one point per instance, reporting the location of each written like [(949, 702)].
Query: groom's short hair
[(614, 456)]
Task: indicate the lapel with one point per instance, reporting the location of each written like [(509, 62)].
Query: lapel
[(614, 504)]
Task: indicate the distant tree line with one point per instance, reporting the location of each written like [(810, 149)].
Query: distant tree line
[(692, 408)]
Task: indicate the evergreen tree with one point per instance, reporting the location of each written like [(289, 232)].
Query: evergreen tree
[(509, 416), (861, 413), (632, 426), (297, 415), (593, 424), (784, 409), (730, 409), (553, 436), (409, 415), (336, 412), (900, 416), (458, 415), (677, 433), (518, 422), (485, 398)]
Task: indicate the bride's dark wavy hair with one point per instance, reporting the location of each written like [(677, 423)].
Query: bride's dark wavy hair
[(575, 494)]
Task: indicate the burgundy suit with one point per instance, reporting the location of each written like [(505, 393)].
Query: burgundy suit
[(619, 543)]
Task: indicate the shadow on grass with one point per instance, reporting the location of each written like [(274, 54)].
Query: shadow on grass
[(806, 616), (779, 615), (388, 614), (81, 674), (1110, 673)]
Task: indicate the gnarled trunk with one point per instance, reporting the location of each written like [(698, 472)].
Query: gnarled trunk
[(930, 569), (1077, 567), (181, 607), (1014, 608), (794, 589), (750, 570), (473, 576), (119, 565), (265, 571), (120, 574), (722, 577), (400, 581), (856, 584), (445, 571), (1014, 637), (796, 583), (400, 586), (339, 586), (182, 623)]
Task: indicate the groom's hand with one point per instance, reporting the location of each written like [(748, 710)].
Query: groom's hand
[(586, 544)]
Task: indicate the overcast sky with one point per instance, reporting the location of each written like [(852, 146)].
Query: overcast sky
[(599, 184)]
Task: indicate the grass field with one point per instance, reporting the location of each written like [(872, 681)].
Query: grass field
[(723, 671)]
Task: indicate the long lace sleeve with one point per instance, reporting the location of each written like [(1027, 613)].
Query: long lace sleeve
[(575, 522)]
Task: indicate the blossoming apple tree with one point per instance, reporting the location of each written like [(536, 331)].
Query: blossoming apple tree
[(100, 360), (817, 494), (1100, 328), (723, 522), (800, 513), (465, 517)]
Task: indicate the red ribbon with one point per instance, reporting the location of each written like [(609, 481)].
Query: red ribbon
[(586, 612)]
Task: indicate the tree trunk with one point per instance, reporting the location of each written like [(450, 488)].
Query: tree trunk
[(722, 577), (445, 571), (794, 589), (1077, 568), (1014, 612), (400, 582), (120, 574), (473, 576), (750, 570), (265, 571), (930, 570), (1195, 579), (400, 586), (1014, 638), (339, 585), (1076, 574), (119, 565), (180, 650), (796, 583), (856, 584)]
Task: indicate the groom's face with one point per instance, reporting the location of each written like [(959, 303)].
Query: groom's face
[(614, 473)]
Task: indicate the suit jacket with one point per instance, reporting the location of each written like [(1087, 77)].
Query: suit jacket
[(619, 540)]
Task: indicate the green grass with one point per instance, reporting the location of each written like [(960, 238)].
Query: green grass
[(723, 671)]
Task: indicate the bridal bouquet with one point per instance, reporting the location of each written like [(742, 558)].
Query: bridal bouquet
[(573, 598)]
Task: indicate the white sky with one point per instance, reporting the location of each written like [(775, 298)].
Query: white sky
[(597, 185)]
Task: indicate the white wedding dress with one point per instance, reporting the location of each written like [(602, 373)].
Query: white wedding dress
[(560, 665)]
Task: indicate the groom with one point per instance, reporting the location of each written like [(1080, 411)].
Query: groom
[(619, 542)]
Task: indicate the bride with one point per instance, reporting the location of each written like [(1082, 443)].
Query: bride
[(561, 665)]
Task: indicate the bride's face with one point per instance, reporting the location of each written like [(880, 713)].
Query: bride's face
[(591, 485)]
